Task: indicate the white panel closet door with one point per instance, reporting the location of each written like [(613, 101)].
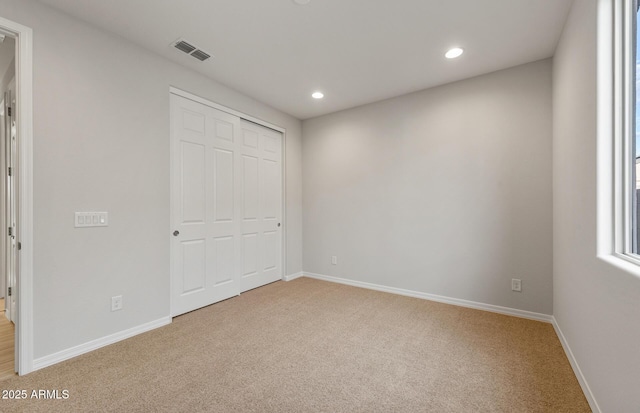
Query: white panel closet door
[(226, 205), (261, 211), (205, 242)]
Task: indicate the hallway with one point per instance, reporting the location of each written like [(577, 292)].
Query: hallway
[(6, 345)]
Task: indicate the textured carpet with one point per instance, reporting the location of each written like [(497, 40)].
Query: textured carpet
[(314, 346)]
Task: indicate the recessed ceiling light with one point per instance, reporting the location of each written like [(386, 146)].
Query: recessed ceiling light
[(453, 53), (301, 2), (317, 95)]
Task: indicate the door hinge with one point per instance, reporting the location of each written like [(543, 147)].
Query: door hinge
[(19, 246), (8, 110), (10, 171), (9, 291), (10, 231)]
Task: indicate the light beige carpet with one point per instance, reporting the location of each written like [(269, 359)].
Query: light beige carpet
[(314, 346)]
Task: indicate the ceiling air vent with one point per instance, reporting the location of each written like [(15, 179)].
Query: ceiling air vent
[(191, 50), (200, 55), (184, 46)]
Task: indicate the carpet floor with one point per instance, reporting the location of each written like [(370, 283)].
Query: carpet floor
[(314, 346)]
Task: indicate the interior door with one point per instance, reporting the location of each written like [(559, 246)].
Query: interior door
[(206, 241), (11, 216), (261, 210)]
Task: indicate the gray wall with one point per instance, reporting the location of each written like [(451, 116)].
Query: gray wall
[(101, 142), (445, 191), (596, 305)]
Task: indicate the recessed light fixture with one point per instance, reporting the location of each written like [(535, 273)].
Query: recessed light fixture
[(317, 95), (301, 2), (453, 53)]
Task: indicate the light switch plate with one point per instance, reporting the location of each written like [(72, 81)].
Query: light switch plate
[(91, 219)]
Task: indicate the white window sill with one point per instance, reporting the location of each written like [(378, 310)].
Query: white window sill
[(624, 263)]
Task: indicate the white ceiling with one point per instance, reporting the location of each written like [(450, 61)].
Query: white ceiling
[(355, 51)]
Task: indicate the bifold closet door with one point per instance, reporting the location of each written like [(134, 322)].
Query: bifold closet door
[(226, 194)]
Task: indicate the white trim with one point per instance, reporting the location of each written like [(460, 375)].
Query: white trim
[(98, 343), (624, 104), (576, 368), (292, 277), (622, 262), (612, 211), (283, 156), (223, 108), (605, 130), (438, 298), (172, 193), (24, 114)]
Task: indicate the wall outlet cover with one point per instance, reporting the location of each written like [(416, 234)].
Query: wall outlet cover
[(116, 303), (516, 284)]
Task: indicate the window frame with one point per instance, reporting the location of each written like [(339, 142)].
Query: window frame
[(624, 160)]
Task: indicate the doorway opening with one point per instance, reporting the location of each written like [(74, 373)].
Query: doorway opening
[(8, 250), (16, 196)]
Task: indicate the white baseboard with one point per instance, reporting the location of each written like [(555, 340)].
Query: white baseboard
[(293, 276), (96, 344), (439, 298), (576, 368)]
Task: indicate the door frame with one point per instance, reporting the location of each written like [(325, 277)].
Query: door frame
[(172, 164), (24, 120), (10, 214)]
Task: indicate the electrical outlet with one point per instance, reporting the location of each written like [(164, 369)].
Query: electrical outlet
[(516, 285), (116, 303), (334, 260)]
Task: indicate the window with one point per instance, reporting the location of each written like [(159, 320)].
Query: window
[(626, 128)]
